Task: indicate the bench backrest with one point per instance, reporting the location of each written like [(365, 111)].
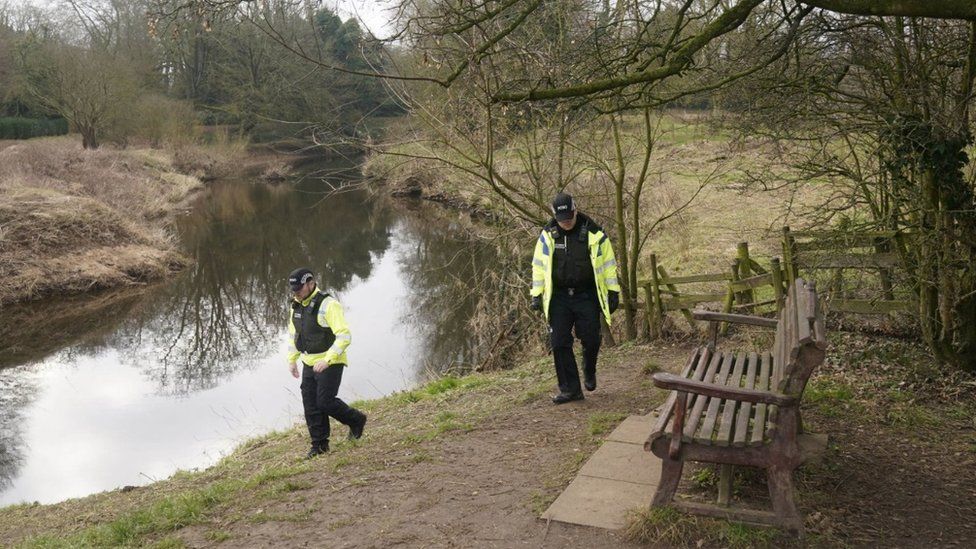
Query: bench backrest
[(800, 339)]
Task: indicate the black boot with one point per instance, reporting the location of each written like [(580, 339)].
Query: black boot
[(563, 398), (317, 449), (356, 429), (589, 380)]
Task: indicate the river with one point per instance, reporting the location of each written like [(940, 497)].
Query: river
[(127, 387)]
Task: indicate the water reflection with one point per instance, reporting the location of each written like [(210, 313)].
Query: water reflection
[(142, 382), (230, 305)]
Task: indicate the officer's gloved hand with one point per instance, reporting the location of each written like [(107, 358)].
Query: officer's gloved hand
[(613, 300), (536, 303)]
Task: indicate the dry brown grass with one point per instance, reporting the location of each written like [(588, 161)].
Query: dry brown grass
[(73, 220)]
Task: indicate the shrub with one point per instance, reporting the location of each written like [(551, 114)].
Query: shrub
[(25, 128)]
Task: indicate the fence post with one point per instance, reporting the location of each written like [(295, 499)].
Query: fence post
[(674, 290), (745, 270), (883, 246), (658, 307), (732, 296), (789, 256), (650, 323)]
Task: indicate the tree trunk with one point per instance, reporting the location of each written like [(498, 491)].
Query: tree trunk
[(89, 139), (944, 279)]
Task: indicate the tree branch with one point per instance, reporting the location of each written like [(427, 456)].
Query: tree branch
[(937, 9)]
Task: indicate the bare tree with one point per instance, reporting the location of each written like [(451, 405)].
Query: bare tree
[(89, 88)]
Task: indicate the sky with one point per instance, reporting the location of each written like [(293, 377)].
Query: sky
[(374, 14)]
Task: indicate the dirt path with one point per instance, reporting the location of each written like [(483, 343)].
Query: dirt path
[(483, 487)]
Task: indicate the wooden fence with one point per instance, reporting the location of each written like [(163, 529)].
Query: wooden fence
[(750, 287), (732, 290), (839, 251)]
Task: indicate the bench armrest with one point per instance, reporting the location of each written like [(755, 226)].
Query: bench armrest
[(678, 383), (712, 316)]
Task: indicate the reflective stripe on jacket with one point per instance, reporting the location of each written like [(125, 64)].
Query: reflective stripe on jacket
[(330, 316), (601, 257)]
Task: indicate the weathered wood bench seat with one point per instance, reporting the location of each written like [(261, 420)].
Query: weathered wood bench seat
[(742, 408)]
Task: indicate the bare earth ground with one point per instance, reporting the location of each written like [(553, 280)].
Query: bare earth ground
[(484, 487), (474, 466)]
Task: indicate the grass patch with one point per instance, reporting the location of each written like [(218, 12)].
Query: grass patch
[(831, 397), (669, 526), (288, 486), (603, 422), (169, 543), (664, 525), (651, 367), (171, 513), (341, 462), (261, 517), (738, 535), (705, 478), (911, 416), (167, 515), (218, 536), (540, 501)]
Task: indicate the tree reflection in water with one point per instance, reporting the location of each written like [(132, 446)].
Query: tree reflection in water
[(229, 308), (465, 292)]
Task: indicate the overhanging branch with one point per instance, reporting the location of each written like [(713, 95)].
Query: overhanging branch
[(726, 22), (938, 9)]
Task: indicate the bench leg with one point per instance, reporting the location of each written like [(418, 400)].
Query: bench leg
[(781, 492), (725, 485), (668, 485)]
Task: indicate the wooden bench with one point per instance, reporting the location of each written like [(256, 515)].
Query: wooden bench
[(743, 408)]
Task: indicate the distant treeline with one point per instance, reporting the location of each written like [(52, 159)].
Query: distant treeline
[(25, 128), (155, 71)]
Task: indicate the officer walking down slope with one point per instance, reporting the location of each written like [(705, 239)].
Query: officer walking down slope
[(320, 337), (574, 279)]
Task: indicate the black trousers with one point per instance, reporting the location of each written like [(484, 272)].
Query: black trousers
[(580, 311), (319, 399)]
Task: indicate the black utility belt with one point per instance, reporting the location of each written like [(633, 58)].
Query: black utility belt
[(576, 291)]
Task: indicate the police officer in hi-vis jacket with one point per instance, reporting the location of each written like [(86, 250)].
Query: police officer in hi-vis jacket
[(574, 281), (320, 336)]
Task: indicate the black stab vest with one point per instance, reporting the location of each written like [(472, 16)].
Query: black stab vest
[(309, 336), (572, 266)]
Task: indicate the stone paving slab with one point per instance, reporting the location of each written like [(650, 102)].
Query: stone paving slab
[(618, 477), (634, 429), (599, 502), (623, 461)]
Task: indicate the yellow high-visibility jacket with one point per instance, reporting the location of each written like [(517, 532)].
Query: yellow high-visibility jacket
[(601, 257), (331, 316)]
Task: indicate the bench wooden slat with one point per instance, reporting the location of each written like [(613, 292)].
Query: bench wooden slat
[(698, 374), (804, 314), (714, 404), (693, 419), (745, 408), (728, 406), (759, 423), (666, 412)]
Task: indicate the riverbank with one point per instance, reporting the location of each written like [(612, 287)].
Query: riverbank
[(75, 220), (474, 460)]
